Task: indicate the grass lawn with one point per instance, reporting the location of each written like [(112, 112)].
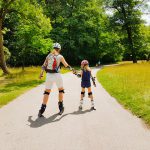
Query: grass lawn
[(18, 82), (130, 85)]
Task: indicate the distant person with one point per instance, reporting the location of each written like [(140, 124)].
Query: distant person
[(52, 68), (86, 76), (99, 63)]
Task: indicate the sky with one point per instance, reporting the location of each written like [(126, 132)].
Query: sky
[(146, 16)]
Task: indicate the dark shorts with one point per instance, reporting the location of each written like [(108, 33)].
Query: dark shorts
[(85, 84)]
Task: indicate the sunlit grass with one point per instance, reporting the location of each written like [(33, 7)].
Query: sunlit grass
[(130, 85), (18, 82)]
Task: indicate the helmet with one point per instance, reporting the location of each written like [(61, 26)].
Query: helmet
[(84, 62), (57, 45)]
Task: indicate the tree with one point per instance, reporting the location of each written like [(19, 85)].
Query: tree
[(29, 29), (31, 35), (83, 29), (144, 53), (77, 26), (128, 15), (4, 9)]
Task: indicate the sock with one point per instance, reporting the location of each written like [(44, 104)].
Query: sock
[(81, 102), (92, 103)]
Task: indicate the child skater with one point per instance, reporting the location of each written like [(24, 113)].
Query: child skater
[(86, 75)]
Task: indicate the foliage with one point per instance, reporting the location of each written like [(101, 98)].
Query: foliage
[(29, 30), (82, 27), (127, 14), (7, 53), (145, 52)]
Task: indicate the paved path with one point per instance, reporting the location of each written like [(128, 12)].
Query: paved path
[(110, 127)]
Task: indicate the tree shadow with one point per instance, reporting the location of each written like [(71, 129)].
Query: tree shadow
[(23, 84), (17, 86), (43, 121)]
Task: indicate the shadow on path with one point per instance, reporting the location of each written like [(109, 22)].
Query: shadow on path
[(42, 121)]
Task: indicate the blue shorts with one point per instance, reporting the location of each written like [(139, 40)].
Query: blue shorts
[(85, 84)]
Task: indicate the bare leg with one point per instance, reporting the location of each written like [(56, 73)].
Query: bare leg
[(91, 97), (45, 100), (46, 96), (60, 103), (82, 96), (82, 91), (61, 94)]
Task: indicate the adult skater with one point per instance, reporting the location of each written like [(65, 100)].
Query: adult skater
[(52, 68)]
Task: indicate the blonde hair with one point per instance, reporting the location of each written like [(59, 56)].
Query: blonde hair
[(87, 68), (54, 51)]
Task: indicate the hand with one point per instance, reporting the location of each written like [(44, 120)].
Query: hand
[(41, 75), (79, 75), (74, 71)]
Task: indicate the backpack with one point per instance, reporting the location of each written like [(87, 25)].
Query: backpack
[(52, 63)]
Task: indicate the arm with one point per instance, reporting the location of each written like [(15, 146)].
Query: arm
[(79, 75), (43, 67), (93, 79), (63, 61)]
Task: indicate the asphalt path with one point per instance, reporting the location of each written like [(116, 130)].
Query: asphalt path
[(110, 127)]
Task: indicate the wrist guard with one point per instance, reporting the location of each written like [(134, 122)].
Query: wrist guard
[(79, 75), (43, 67), (69, 67), (93, 78)]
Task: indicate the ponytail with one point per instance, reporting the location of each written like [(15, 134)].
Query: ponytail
[(53, 51)]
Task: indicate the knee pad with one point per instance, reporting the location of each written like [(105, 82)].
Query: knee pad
[(61, 91), (90, 93), (47, 93), (83, 93)]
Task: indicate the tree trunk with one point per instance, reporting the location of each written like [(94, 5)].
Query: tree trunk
[(134, 59), (2, 57), (129, 33), (23, 65), (148, 57)]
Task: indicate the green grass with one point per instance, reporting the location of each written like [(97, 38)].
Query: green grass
[(18, 82), (130, 85)]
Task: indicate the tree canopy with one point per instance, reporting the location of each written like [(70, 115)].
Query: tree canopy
[(84, 28)]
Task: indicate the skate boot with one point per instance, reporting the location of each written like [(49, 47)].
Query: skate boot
[(41, 111), (81, 103), (92, 105), (93, 108), (61, 108), (80, 108)]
